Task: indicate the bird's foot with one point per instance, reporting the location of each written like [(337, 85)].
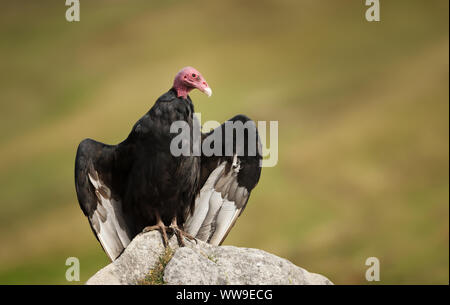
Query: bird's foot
[(161, 227), (181, 235)]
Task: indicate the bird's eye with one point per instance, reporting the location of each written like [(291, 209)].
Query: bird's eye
[(193, 75)]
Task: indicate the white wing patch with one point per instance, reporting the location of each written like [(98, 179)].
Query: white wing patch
[(226, 217), (202, 202), (218, 205), (208, 224), (107, 220)]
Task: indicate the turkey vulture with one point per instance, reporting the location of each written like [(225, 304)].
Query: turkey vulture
[(139, 185)]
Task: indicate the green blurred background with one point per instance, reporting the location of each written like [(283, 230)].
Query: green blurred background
[(363, 124)]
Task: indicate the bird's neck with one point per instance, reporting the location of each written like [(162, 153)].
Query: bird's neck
[(182, 91)]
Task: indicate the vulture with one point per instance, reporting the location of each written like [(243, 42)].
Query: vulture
[(141, 185)]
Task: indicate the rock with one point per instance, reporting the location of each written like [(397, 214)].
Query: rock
[(202, 264)]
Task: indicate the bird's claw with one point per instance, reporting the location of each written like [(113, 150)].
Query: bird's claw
[(180, 234), (162, 228)]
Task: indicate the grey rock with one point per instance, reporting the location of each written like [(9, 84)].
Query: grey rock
[(141, 255), (203, 264)]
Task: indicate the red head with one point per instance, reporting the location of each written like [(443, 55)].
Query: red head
[(189, 78)]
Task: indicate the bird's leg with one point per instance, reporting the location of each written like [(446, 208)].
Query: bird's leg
[(159, 226), (180, 233)]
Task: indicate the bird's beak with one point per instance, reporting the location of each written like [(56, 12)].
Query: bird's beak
[(207, 91), (204, 87)]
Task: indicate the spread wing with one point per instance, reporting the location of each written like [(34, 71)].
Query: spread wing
[(227, 182), (97, 181)]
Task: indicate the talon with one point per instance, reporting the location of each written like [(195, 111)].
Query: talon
[(161, 227), (180, 233)]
